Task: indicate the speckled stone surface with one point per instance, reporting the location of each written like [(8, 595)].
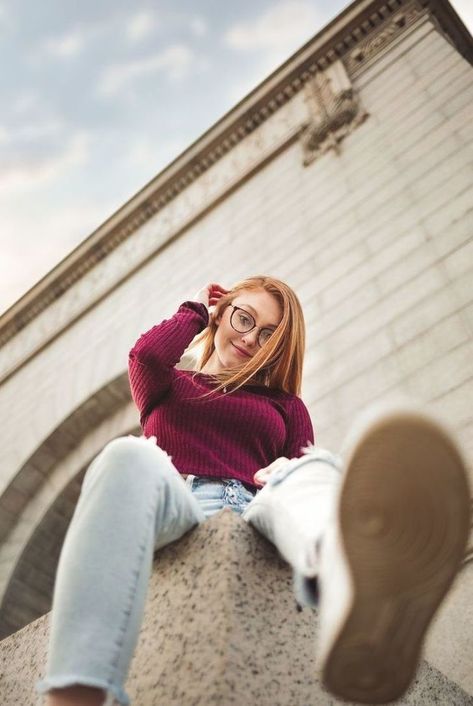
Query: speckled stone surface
[(221, 626)]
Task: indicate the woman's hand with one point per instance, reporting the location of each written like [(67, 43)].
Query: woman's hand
[(261, 477), (210, 294)]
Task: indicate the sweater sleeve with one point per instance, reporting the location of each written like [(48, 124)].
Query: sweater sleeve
[(300, 431), (154, 355)]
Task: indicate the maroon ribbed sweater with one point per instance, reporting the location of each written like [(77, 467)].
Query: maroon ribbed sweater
[(226, 435)]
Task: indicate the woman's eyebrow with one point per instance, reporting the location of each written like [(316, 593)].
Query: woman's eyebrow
[(256, 314)]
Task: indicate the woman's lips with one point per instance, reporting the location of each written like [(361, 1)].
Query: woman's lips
[(239, 350)]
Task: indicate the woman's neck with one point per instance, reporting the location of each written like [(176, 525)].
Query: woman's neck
[(212, 366)]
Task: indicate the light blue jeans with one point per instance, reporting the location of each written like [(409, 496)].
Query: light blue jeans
[(133, 502)]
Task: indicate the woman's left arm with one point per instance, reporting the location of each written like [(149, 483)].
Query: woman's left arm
[(300, 432)]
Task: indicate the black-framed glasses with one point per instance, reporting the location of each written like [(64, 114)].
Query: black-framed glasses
[(243, 322)]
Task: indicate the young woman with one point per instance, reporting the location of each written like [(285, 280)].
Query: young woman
[(381, 534)]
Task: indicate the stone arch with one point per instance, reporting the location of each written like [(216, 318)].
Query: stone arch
[(38, 505), (63, 439)]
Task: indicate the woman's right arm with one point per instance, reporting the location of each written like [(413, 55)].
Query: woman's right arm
[(156, 352)]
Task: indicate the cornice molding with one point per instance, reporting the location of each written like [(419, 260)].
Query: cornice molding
[(370, 48), (358, 33)]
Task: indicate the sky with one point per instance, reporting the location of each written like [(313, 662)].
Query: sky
[(98, 96)]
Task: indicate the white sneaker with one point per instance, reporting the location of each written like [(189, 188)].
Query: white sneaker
[(391, 552)]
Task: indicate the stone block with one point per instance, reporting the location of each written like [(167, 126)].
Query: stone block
[(221, 626)]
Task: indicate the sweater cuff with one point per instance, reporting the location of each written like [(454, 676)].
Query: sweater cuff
[(199, 308)]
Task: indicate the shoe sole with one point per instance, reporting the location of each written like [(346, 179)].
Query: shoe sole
[(404, 514)]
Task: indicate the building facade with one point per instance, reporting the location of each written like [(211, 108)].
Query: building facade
[(347, 173)]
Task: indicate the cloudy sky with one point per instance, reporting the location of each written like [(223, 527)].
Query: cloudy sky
[(98, 96)]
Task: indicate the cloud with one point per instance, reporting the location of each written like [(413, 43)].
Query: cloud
[(281, 29), (33, 243), (16, 136), (4, 17), (176, 62), (22, 174), (66, 45), (140, 26), (25, 103), (154, 155), (271, 38), (198, 26)]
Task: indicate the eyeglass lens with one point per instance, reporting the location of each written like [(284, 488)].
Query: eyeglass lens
[(243, 323)]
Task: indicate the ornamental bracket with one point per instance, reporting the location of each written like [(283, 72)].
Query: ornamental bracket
[(335, 111)]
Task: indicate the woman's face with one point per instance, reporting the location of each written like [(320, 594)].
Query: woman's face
[(232, 349)]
